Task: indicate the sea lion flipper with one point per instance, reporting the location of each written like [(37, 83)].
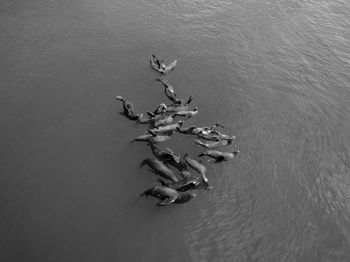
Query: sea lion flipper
[(151, 114), (144, 162), (171, 97), (218, 124), (162, 182), (200, 143), (185, 174), (208, 187), (219, 159), (146, 193), (120, 98), (153, 171), (189, 100), (164, 83), (167, 201), (169, 150), (152, 132)]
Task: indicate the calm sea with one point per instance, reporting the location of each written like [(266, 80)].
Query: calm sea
[(275, 73)]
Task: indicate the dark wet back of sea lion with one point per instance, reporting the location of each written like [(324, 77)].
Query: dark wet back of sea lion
[(184, 197)]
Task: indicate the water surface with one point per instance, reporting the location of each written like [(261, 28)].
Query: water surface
[(275, 73)]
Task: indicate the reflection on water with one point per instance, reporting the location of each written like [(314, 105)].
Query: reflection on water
[(274, 73)]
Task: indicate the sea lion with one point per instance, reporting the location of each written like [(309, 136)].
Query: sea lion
[(157, 61), (161, 118), (129, 109), (187, 114), (167, 128), (185, 173), (144, 138), (219, 134), (156, 117), (200, 168), (170, 158), (168, 90), (179, 105), (175, 108), (195, 130), (210, 129), (168, 195), (220, 156), (209, 136), (162, 108), (160, 168), (166, 85), (152, 138), (186, 184), (164, 155), (145, 120), (127, 105), (191, 130), (166, 120), (216, 144), (170, 67), (170, 95), (183, 185), (135, 117), (181, 166), (159, 65)]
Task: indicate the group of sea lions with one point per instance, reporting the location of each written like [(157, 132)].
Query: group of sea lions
[(179, 185)]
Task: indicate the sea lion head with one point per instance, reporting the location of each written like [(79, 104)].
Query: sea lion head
[(230, 140), (163, 106), (192, 194), (186, 196), (189, 195), (139, 117)]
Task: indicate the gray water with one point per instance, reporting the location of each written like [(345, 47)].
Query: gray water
[(275, 73)]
